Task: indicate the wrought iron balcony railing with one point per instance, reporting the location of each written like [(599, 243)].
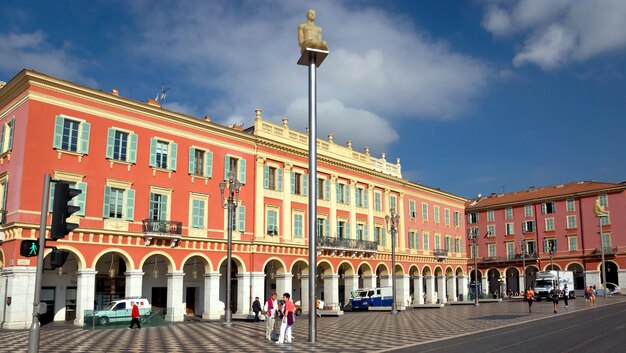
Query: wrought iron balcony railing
[(440, 252), (168, 230), (608, 250), (3, 216), (346, 244)]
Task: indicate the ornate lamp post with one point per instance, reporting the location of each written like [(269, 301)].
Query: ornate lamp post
[(392, 224), (231, 204), (599, 211), (472, 235)]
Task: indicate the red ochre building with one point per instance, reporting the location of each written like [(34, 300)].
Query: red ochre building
[(518, 229), (152, 223)]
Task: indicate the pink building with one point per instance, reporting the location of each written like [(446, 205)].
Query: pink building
[(534, 221)]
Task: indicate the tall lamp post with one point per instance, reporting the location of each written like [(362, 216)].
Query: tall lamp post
[(232, 200), (472, 235), (598, 210), (522, 244), (392, 224)]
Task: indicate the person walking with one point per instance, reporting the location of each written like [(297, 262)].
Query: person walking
[(587, 290), (555, 292), (529, 296), (269, 310), (287, 321), (134, 317), (592, 295), (256, 308), (565, 295)]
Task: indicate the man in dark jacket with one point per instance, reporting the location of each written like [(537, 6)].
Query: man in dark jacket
[(256, 307)]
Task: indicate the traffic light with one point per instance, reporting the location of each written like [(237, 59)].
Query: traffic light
[(61, 210), (57, 258), (29, 248)]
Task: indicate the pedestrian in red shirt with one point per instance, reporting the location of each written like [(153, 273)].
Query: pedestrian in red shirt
[(135, 317)]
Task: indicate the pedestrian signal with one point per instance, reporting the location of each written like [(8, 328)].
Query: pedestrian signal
[(29, 248)]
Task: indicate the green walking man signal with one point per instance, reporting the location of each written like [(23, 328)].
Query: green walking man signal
[(29, 248)]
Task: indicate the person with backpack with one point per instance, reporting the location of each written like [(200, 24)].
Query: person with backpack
[(529, 296)]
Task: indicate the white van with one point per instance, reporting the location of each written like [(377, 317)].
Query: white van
[(120, 310)]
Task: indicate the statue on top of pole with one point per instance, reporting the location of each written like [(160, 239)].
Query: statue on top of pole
[(310, 35)]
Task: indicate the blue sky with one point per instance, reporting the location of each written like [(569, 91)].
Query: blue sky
[(474, 96)]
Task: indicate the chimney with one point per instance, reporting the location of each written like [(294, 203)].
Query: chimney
[(115, 92), (207, 118), (238, 127), (154, 103)]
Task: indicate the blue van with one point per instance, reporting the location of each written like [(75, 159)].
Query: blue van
[(362, 299)]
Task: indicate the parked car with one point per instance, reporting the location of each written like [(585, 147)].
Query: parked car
[(120, 310), (611, 287)]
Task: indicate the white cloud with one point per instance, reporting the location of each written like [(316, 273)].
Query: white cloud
[(243, 55), (558, 32), (32, 51)]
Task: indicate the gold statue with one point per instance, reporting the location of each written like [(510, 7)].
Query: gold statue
[(598, 209), (310, 35)]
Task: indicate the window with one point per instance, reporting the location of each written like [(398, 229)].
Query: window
[(448, 244), (392, 203), (508, 213), (472, 218), (436, 212), (457, 218), (118, 203), (425, 242), (200, 162), (163, 154), (361, 197), (437, 242), (360, 231), (323, 189), (458, 245), (446, 212), (604, 200), (490, 216), (69, 135), (510, 250), (6, 136), (272, 178), (549, 244), (121, 146), (509, 229), (531, 246), (298, 225), (528, 211), (528, 226), (378, 201), (424, 212), (549, 224), (571, 205), (472, 248), (606, 240), (240, 218), (343, 230), (413, 240), (491, 248), (491, 230), (321, 227), (271, 217), (237, 166), (412, 212), (571, 222), (548, 208), (157, 207), (572, 243), (198, 212), (299, 183), (4, 186), (341, 192), (378, 235), (605, 220)]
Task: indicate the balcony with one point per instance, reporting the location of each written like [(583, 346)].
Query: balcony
[(166, 230), (3, 216), (440, 254), (510, 260), (346, 247), (608, 251)]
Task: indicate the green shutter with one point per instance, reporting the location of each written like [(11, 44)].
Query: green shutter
[(367, 232), (192, 161), (106, 206), (12, 129), (84, 138), (129, 195), (2, 150), (81, 200), (4, 194), (163, 208), (110, 143), (327, 227), (347, 194), (348, 235), (173, 152), (279, 177), (51, 197), (153, 144), (293, 182), (242, 171), (266, 176), (226, 167), (365, 192), (241, 218), (58, 132), (327, 191), (208, 164), (305, 184), (132, 148)]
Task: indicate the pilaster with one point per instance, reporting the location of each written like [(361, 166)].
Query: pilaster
[(243, 293), (418, 289), (134, 283), (259, 200), (175, 296), (85, 293), (213, 307)]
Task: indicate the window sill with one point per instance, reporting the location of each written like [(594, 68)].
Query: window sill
[(60, 153), (161, 170), (6, 155), (112, 162), (116, 224), (199, 177)]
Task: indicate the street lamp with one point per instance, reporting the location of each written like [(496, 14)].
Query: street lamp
[(231, 204), (392, 224), (522, 244), (599, 211), (472, 235)]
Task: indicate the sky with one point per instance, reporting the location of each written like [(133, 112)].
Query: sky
[(473, 96)]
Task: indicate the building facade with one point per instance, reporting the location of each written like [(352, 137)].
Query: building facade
[(152, 221), (545, 228)]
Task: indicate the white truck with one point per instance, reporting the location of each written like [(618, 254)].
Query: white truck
[(546, 280)]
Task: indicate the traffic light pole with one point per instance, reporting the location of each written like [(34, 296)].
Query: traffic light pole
[(33, 333)]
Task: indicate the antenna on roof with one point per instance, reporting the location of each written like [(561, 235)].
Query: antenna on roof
[(503, 188), (162, 93)]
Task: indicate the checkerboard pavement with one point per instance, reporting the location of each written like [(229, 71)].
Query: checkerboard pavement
[(352, 332)]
